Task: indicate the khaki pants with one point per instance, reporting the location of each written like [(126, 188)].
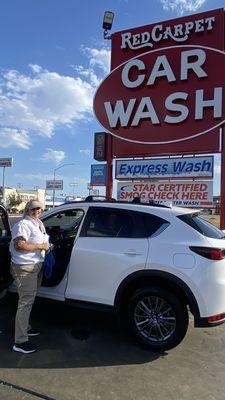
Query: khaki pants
[(28, 279)]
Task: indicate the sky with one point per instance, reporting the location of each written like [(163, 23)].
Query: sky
[(53, 57)]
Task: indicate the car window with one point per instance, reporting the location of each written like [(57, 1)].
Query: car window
[(68, 220), (202, 226), (121, 223), (110, 223), (154, 225)]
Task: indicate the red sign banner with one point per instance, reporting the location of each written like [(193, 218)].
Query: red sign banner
[(210, 144)]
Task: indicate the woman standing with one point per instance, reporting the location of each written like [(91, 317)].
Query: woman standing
[(28, 245)]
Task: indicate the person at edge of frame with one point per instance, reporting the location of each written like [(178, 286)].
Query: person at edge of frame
[(28, 246)]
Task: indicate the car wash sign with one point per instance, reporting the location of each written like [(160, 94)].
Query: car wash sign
[(163, 87), (186, 167), (179, 193)]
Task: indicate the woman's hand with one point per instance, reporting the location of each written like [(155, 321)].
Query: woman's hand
[(44, 246)]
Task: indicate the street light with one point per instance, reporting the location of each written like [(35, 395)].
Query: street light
[(56, 169), (107, 23)]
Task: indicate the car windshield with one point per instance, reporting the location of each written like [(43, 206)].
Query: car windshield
[(202, 226)]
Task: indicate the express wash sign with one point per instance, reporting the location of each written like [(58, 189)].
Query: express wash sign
[(186, 167)]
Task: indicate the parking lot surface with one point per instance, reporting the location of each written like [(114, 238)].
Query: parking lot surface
[(84, 355)]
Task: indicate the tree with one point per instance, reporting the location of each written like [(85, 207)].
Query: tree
[(14, 200)]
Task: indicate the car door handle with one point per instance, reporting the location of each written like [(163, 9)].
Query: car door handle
[(132, 252)]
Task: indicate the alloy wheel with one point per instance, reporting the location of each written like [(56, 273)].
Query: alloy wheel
[(154, 318)]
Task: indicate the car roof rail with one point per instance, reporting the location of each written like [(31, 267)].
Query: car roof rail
[(100, 198), (136, 200), (89, 199)]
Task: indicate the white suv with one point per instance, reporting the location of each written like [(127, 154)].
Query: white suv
[(150, 264)]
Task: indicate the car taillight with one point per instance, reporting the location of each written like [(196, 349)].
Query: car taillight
[(209, 252), (216, 318)]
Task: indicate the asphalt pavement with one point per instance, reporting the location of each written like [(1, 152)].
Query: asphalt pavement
[(84, 355)]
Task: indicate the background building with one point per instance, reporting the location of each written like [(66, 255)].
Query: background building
[(16, 199)]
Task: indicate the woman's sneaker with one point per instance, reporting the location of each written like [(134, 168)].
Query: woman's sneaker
[(33, 332), (25, 347)]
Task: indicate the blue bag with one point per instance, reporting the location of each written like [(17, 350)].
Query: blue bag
[(48, 264)]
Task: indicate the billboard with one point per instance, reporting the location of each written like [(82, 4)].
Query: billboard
[(98, 175), (6, 162), (162, 91), (54, 184), (186, 167), (179, 193), (100, 139)]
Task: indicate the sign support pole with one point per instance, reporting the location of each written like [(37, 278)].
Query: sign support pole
[(109, 178), (222, 180), (54, 191), (3, 186)]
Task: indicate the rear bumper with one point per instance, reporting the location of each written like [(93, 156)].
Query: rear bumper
[(206, 323)]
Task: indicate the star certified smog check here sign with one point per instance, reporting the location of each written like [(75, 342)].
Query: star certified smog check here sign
[(172, 88), (179, 193)]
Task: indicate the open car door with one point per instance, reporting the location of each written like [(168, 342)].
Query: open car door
[(5, 237)]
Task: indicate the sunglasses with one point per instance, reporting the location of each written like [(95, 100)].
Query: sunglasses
[(35, 209)]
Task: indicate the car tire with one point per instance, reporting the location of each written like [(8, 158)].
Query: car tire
[(157, 317)]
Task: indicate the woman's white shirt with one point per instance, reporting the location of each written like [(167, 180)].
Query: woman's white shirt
[(33, 231)]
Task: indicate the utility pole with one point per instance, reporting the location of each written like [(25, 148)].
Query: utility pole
[(56, 169), (3, 186)]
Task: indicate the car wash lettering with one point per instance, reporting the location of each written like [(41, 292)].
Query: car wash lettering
[(178, 33), (138, 72)]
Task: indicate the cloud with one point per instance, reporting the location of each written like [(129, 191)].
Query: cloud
[(41, 102), (36, 103), (80, 181), (86, 152), (33, 177), (35, 68), (98, 64), (182, 6), (44, 177), (98, 57), (53, 155), (13, 137)]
